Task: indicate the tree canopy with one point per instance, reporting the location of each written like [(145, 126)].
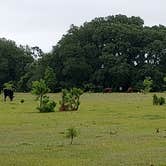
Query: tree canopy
[(114, 51)]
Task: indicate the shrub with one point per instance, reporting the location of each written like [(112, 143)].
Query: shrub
[(155, 100), (89, 87), (71, 133), (147, 83), (70, 99), (161, 100), (158, 100), (22, 101), (47, 105), (39, 88)]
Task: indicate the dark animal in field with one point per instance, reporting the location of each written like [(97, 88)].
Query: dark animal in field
[(107, 90), (8, 93), (130, 89)]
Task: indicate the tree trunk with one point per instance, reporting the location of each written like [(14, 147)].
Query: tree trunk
[(71, 141), (41, 101)]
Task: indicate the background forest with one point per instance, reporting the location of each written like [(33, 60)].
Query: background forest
[(114, 51)]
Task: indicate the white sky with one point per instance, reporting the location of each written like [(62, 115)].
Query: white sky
[(43, 22)]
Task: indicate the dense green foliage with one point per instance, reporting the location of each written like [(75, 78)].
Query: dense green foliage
[(158, 100), (70, 99), (39, 88), (50, 78), (147, 83), (161, 100), (14, 61), (114, 51), (155, 100), (8, 85), (47, 105)]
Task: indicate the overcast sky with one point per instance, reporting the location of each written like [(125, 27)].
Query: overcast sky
[(43, 22)]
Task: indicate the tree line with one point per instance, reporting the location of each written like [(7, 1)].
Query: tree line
[(114, 51)]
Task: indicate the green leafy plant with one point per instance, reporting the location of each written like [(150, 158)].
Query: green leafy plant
[(39, 88), (8, 85), (155, 100), (147, 83), (89, 87), (161, 100), (70, 99), (158, 100), (47, 105), (71, 134), (50, 78)]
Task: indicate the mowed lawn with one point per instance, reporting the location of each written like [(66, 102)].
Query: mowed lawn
[(116, 129)]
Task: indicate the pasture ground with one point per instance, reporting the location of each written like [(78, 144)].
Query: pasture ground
[(117, 129)]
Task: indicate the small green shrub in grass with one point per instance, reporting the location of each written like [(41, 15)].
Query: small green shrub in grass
[(70, 99), (155, 100), (161, 100), (158, 100), (71, 134), (40, 89), (47, 105)]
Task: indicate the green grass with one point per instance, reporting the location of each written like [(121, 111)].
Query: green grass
[(115, 130)]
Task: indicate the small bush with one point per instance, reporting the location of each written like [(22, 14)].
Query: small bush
[(161, 100), (158, 100), (71, 134), (70, 99), (147, 83), (47, 105), (89, 87), (155, 100), (39, 88), (22, 101)]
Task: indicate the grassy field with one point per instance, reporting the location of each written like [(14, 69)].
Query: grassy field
[(115, 130)]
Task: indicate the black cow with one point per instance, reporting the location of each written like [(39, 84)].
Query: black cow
[(9, 93)]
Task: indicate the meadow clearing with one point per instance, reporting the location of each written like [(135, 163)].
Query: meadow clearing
[(116, 129)]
